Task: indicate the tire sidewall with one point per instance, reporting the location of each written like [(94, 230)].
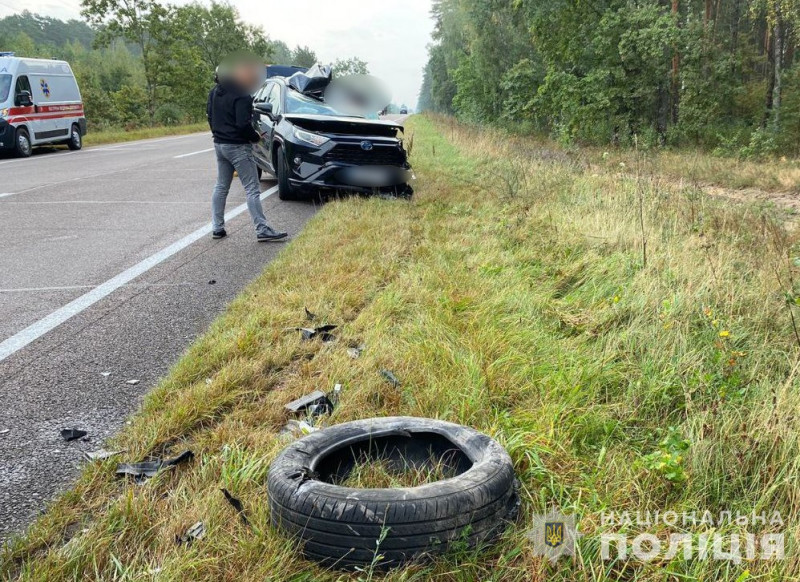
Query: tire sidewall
[(485, 494), (75, 139), (22, 136), (285, 190)]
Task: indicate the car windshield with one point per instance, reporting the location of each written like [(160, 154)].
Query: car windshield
[(299, 103), (5, 87)]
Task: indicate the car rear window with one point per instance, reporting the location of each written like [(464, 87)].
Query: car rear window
[(5, 87)]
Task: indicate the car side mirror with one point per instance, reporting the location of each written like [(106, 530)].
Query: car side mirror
[(23, 99), (264, 108)]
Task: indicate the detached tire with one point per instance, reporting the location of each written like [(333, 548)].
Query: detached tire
[(341, 526)]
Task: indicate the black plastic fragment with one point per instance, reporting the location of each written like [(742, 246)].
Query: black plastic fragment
[(310, 316), (391, 378), (72, 434), (316, 403), (212, 282), (323, 331), (237, 505), (150, 468)]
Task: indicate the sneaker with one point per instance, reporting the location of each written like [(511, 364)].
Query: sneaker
[(217, 234), (272, 236)]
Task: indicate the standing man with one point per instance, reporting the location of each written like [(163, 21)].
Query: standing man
[(230, 113)]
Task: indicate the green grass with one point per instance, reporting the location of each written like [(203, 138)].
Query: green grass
[(515, 294), (120, 135)]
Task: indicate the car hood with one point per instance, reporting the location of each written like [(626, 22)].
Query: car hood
[(345, 125)]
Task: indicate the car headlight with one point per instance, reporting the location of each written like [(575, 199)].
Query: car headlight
[(3, 113), (314, 139)]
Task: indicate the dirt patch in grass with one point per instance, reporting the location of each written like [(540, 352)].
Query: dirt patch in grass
[(625, 336)]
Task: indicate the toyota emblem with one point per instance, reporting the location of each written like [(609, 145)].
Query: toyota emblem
[(366, 146)]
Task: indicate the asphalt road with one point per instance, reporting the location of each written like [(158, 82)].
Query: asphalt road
[(105, 275)]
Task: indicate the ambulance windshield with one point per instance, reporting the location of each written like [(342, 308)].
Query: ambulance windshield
[(5, 87)]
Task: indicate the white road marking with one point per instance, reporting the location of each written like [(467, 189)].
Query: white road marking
[(192, 153), (4, 194), (33, 332)]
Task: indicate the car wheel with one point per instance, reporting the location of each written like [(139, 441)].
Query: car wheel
[(285, 190), (344, 527), (22, 145), (75, 140)]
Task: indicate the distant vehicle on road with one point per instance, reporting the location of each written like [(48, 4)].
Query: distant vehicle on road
[(310, 146), (40, 104), (404, 110)]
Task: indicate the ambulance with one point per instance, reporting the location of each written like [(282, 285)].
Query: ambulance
[(40, 104)]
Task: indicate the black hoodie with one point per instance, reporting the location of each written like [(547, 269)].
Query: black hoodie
[(230, 115)]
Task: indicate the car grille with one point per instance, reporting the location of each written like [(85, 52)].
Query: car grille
[(378, 156)]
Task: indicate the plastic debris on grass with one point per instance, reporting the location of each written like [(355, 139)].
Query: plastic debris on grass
[(194, 533), (391, 378), (236, 504), (147, 469)]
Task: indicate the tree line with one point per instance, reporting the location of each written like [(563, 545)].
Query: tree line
[(142, 62), (721, 74)]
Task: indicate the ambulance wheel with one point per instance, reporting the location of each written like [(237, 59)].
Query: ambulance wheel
[(75, 140), (22, 144)]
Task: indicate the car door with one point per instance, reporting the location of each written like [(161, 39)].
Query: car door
[(34, 125), (274, 98), (260, 150)]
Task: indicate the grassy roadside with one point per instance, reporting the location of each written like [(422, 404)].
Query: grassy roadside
[(696, 167), (515, 295), (119, 135)]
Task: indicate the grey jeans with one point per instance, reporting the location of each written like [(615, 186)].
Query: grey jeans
[(237, 157)]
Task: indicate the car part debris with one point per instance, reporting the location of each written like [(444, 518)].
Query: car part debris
[(310, 316), (314, 404), (196, 532), (297, 428), (150, 468), (337, 394), (391, 378), (5, 431), (212, 282), (105, 374), (102, 454), (72, 434), (471, 507), (355, 353), (133, 382), (323, 331), (237, 505), (311, 82)]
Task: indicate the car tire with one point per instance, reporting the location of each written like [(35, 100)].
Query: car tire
[(285, 190), (75, 139), (341, 526), (22, 143)]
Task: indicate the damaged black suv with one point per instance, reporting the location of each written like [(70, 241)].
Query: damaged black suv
[(310, 147)]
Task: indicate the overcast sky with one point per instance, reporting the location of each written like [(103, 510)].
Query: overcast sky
[(390, 35)]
